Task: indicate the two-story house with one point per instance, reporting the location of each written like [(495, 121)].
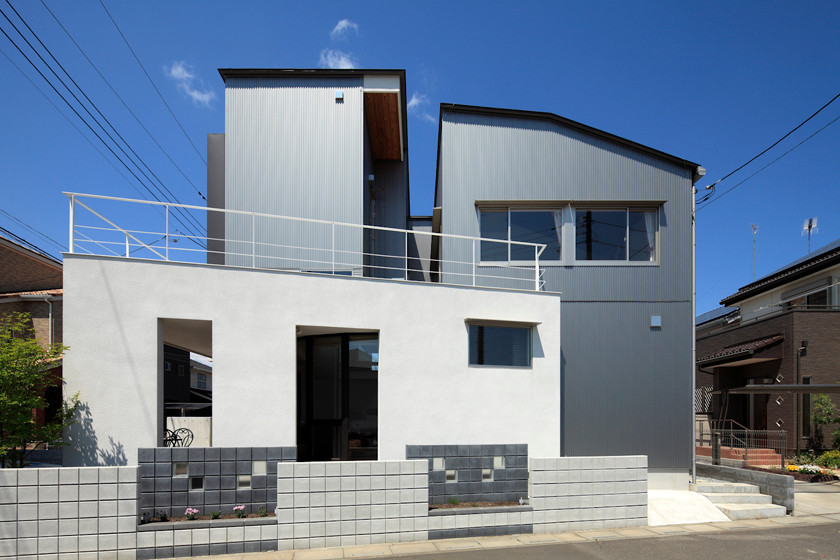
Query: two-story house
[(546, 304), (773, 346)]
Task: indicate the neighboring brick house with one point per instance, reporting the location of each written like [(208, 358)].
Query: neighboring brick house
[(783, 329), (31, 283)]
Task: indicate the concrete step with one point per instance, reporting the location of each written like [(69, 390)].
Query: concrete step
[(738, 498), (751, 511), (724, 488)]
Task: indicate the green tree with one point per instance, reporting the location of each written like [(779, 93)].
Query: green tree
[(24, 377), (825, 413)]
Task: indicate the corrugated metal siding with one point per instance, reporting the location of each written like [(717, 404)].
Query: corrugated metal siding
[(626, 388), (292, 150), (508, 158)]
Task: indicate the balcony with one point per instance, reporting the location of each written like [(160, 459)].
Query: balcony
[(137, 229)]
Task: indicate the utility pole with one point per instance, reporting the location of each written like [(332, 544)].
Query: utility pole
[(755, 231)]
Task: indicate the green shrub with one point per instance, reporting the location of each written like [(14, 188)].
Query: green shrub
[(830, 459), (804, 458)]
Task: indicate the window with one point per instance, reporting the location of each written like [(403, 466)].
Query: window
[(500, 346), (624, 234), (201, 380), (529, 226)]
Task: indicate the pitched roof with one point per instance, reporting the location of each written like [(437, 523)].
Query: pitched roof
[(718, 313), (820, 259), (53, 292), (741, 348)]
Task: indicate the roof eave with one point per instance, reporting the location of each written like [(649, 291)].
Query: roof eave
[(551, 117)]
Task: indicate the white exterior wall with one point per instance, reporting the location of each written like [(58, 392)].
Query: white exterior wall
[(427, 392)]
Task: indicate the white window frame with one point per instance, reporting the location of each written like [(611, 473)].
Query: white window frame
[(626, 261), (508, 210)]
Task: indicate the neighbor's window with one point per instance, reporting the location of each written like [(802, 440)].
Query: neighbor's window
[(531, 226), (201, 380), (624, 234), (500, 346)]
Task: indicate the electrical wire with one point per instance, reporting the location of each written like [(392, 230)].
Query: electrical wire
[(736, 185), (63, 98), (152, 82), (43, 236), (172, 198), (146, 130), (28, 244), (776, 143)]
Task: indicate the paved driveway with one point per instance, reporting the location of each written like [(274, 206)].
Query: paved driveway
[(818, 498)]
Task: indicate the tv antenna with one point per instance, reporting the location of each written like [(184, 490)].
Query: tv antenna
[(755, 231), (809, 226)]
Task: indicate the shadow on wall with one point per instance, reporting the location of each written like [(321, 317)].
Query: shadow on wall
[(81, 439)]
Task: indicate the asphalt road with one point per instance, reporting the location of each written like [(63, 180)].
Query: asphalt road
[(785, 543)]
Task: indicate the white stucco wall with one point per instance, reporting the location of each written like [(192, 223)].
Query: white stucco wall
[(427, 392)]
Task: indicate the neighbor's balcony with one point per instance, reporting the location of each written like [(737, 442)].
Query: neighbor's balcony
[(128, 228)]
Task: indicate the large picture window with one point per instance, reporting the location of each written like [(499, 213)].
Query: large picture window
[(530, 226), (500, 346), (624, 234)]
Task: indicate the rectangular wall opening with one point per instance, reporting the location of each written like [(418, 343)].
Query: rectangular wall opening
[(337, 396), (186, 387)]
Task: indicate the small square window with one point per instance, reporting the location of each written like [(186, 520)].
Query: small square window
[(179, 469), (499, 462), (243, 481), (486, 475), (167, 366), (196, 483), (499, 346), (259, 467), (451, 476)]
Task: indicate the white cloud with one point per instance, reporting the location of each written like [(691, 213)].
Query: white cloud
[(342, 28), (332, 58), (417, 107), (189, 84)]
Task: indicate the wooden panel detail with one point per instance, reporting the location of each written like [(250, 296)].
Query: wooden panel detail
[(383, 120)]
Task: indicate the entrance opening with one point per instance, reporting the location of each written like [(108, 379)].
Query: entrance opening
[(337, 397), (186, 387)]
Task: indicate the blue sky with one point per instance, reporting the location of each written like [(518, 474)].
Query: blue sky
[(713, 82)]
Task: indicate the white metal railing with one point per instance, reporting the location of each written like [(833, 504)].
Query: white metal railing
[(114, 226)]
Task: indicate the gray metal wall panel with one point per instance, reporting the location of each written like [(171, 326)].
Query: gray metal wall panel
[(626, 387), (391, 201), (215, 198), (511, 158), (292, 150)]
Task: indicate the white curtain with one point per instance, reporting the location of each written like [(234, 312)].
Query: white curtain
[(650, 229), (558, 228)]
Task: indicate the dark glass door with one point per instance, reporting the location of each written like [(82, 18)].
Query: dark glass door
[(337, 394)]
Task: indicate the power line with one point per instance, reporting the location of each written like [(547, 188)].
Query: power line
[(63, 98), (152, 82), (773, 145), (35, 231), (92, 104), (20, 240), (60, 112), (123, 101), (736, 185)]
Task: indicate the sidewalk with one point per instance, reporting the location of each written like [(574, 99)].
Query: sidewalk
[(815, 504)]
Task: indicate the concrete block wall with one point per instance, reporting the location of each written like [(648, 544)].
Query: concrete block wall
[(79, 513), (219, 470), (351, 503), (580, 493), (506, 465), (778, 486), (202, 538), (480, 522)]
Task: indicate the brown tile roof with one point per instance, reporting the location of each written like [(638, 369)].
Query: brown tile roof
[(742, 348), (54, 292)]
